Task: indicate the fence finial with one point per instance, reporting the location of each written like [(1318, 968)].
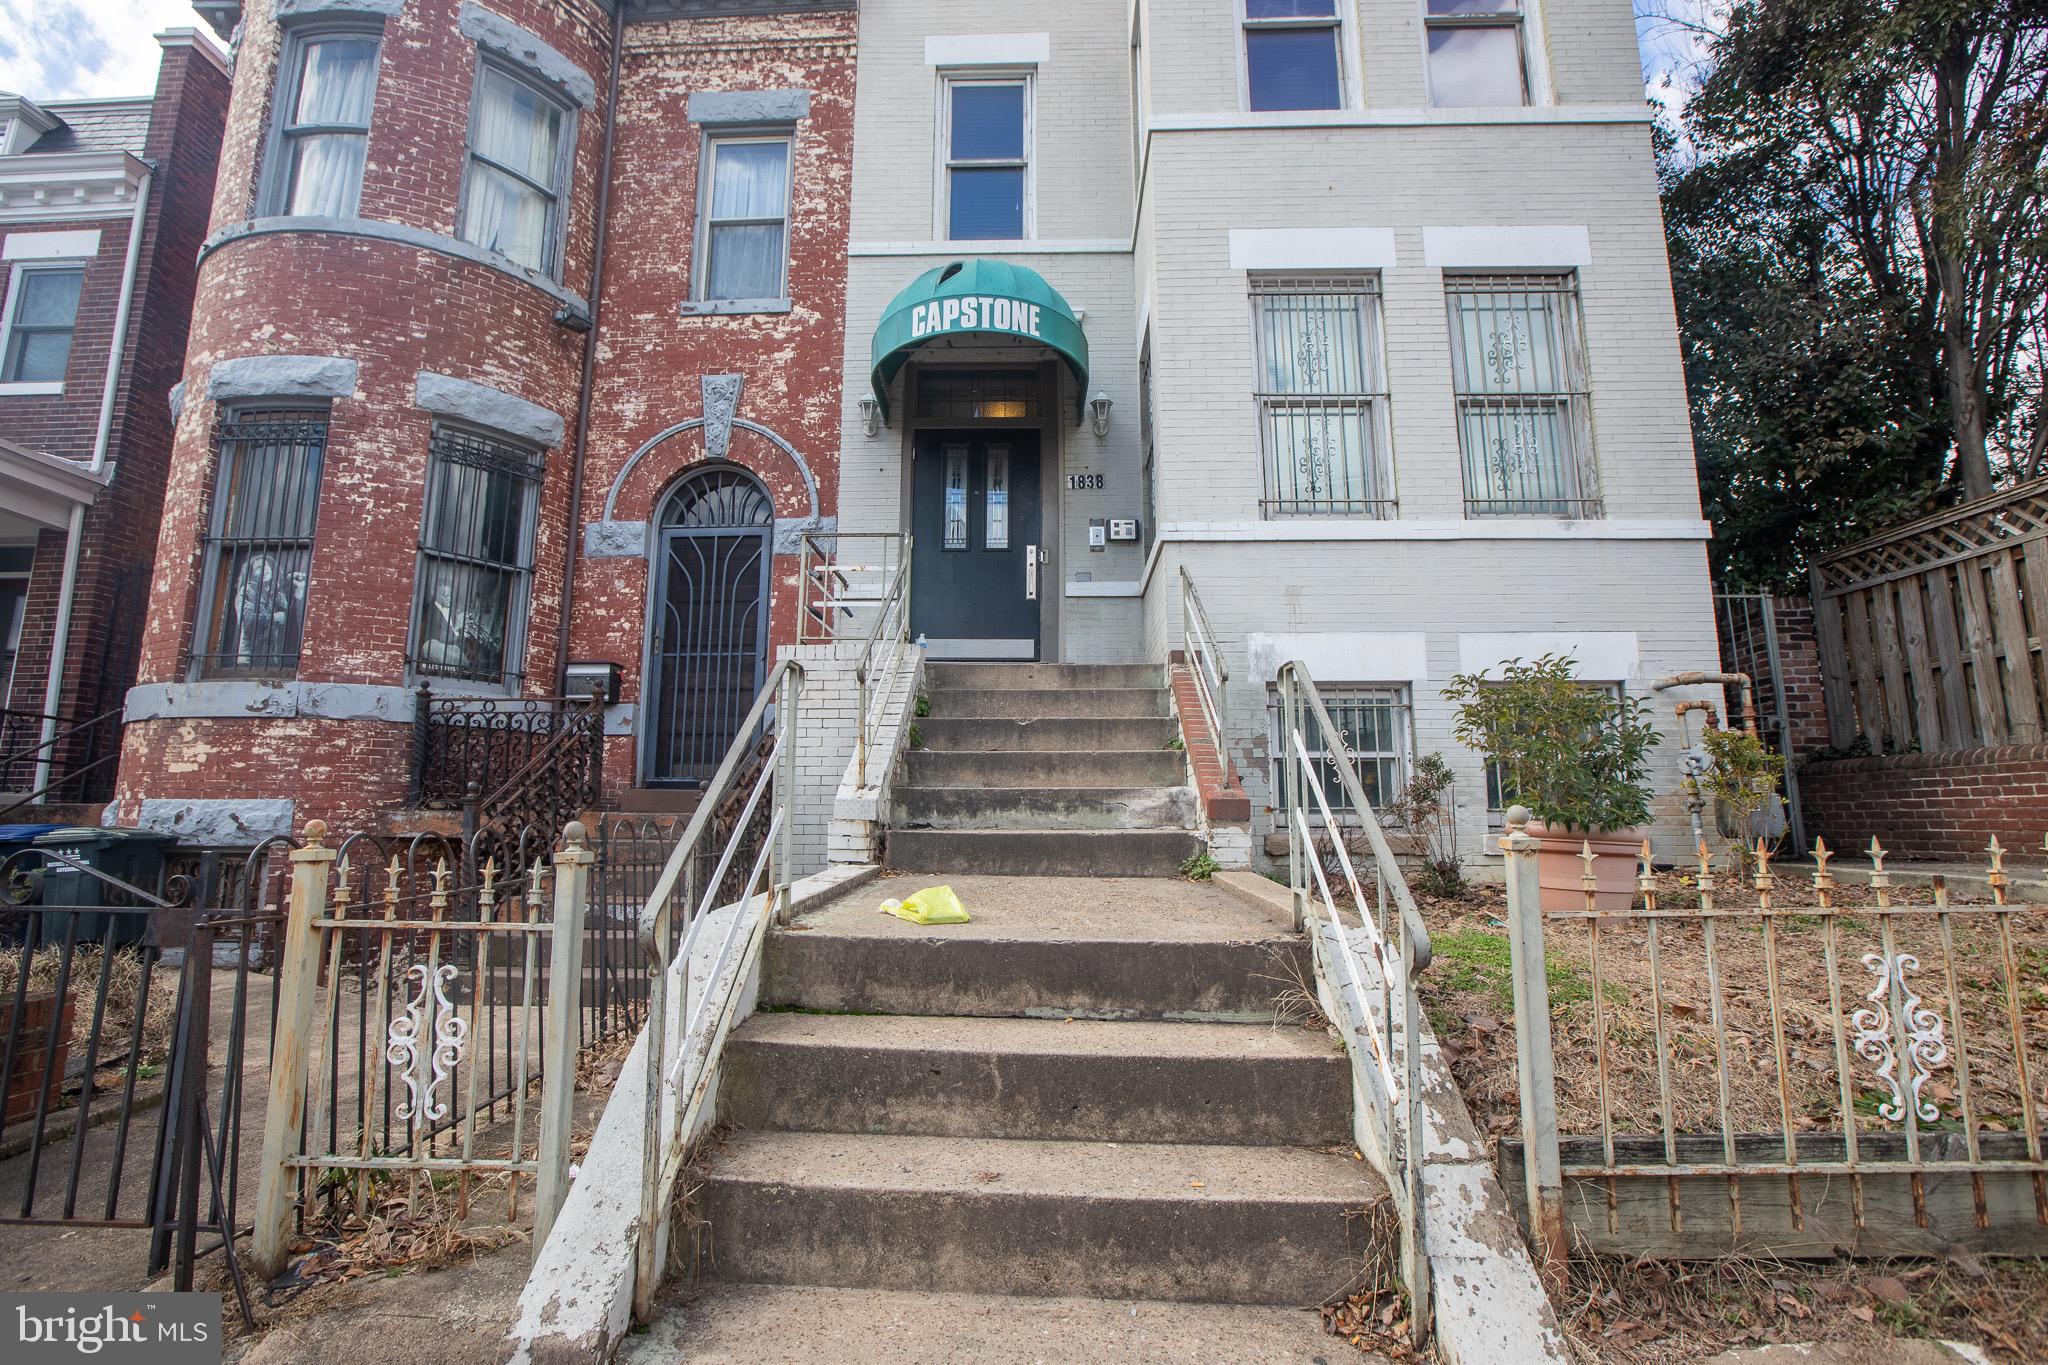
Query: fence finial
[(574, 835), (316, 833), (1646, 878), (1880, 880), (1998, 879), (1706, 857), (1764, 880), (1823, 880), (1589, 884)]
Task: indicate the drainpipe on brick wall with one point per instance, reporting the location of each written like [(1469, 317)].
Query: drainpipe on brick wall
[(604, 202), (67, 588)]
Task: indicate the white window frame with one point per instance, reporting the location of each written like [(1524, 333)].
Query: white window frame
[(1527, 21), (1347, 85), (944, 164), (1374, 399), (274, 194), (1399, 695), (565, 157), (700, 291), (23, 388), (1582, 459)]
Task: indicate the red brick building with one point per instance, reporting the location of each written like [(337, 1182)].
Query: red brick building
[(103, 205), (519, 344)]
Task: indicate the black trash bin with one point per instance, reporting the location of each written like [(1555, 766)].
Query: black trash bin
[(134, 856)]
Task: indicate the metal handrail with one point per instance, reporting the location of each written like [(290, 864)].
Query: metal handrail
[(895, 608), (1397, 946), (1205, 661), (44, 754), (823, 575), (703, 1027)]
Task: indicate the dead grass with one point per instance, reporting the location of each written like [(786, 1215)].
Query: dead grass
[(123, 994), (1372, 1312), (1617, 1312)]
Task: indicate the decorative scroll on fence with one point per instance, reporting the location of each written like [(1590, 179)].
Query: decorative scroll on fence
[(1930, 635), (1786, 1075)]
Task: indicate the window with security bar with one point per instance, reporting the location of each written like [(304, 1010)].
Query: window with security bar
[(1518, 372), (1378, 734), (259, 549), (475, 559), (1322, 396)]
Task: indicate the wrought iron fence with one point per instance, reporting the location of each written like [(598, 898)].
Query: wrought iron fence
[(1370, 971), (422, 995), (1778, 1073), (130, 1025), (469, 749)]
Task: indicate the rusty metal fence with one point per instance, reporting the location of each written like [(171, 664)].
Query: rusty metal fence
[(1773, 1071)]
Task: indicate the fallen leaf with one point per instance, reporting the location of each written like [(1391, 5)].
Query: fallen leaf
[(1888, 1289)]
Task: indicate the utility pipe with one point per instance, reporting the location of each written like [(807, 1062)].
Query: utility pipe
[(604, 200), (1699, 679), (67, 588)]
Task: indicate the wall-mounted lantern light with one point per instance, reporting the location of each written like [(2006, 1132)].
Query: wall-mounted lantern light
[(1098, 409), (870, 415)]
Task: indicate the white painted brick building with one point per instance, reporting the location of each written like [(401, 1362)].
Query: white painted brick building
[(1432, 170)]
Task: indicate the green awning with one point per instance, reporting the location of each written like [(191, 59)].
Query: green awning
[(978, 296)]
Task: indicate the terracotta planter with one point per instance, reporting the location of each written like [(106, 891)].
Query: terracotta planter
[(40, 1053), (1616, 858)]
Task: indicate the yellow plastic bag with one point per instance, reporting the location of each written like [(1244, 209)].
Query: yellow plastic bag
[(933, 905)]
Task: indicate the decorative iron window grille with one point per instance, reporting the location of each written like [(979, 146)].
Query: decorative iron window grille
[(1518, 370), (1378, 734), (259, 549), (1322, 396), (475, 558), (957, 395)]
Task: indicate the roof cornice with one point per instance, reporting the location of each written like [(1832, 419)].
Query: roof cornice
[(54, 186)]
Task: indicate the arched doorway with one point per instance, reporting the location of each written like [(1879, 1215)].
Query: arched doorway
[(708, 649)]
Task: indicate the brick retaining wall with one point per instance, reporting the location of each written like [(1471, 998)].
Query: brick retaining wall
[(1943, 806)]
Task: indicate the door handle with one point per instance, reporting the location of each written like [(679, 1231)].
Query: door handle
[(1030, 573)]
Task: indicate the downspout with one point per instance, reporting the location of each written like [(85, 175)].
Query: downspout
[(67, 588), (604, 201)]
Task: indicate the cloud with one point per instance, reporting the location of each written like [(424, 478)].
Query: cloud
[(82, 49)]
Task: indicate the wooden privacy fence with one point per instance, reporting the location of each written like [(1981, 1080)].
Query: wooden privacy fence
[(1930, 635), (1769, 1072), (416, 1013)]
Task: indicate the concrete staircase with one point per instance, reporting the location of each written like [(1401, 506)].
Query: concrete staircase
[(1045, 769), (1084, 1093)]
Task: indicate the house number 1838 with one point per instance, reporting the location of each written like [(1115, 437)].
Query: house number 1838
[(1085, 481)]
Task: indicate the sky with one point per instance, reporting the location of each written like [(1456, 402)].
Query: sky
[(81, 49)]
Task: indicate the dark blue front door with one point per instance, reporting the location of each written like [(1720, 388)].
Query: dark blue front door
[(977, 564)]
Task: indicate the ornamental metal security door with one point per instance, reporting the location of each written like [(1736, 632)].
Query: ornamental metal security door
[(710, 624)]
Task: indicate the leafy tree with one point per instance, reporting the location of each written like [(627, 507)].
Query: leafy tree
[(1859, 235)]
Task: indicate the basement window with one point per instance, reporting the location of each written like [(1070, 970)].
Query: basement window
[(1378, 734)]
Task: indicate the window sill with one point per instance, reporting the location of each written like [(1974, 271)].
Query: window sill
[(719, 308), (31, 388)]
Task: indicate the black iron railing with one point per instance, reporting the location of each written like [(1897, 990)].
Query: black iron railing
[(76, 763), (466, 750)]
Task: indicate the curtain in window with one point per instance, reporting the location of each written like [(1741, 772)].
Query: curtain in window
[(749, 183), (474, 556), (1512, 366), (335, 87), (1318, 377), (269, 489), (517, 140)]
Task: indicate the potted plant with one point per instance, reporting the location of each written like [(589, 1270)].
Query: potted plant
[(1577, 758)]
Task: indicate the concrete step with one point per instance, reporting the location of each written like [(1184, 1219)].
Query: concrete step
[(732, 1324), (1048, 703), (1052, 947), (941, 734), (1037, 1078), (1043, 808), (1146, 767), (1214, 1224), (1007, 677), (1044, 852)]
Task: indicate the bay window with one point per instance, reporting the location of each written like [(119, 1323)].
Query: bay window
[(1518, 372), (513, 191), (259, 550), (475, 558), (745, 238), (1475, 53), (324, 129), (1293, 54), (1321, 396)]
